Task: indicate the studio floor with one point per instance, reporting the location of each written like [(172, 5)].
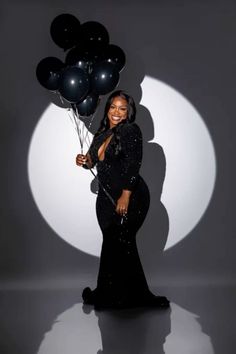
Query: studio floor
[(200, 321)]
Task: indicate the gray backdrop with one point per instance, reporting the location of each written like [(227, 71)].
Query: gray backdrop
[(190, 45)]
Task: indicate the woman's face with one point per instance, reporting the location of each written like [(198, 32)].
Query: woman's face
[(118, 111)]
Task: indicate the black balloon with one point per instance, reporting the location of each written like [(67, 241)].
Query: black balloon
[(77, 57), (94, 32), (84, 56), (104, 78), (74, 84), (92, 52), (65, 30), (115, 55), (88, 106), (48, 72)]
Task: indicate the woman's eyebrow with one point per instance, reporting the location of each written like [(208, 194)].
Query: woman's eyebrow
[(119, 106)]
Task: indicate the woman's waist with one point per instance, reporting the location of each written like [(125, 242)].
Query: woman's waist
[(114, 184)]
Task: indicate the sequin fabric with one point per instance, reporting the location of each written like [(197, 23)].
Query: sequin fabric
[(121, 281)]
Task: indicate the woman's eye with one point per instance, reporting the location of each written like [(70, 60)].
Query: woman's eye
[(123, 109)]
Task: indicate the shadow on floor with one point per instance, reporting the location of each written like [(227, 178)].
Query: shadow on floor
[(201, 321)]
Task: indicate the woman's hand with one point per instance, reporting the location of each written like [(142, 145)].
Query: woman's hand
[(123, 202), (81, 159)]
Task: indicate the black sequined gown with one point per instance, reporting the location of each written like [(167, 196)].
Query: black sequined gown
[(121, 281)]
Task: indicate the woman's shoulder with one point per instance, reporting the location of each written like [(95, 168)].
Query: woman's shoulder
[(130, 129)]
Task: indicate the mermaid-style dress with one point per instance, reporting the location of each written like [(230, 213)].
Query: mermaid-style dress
[(121, 281)]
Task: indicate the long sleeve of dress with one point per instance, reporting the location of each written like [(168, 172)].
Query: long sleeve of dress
[(131, 147)]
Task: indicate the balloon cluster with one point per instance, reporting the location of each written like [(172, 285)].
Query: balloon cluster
[(91, 68)]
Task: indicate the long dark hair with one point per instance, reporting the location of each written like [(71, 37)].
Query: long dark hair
[(131, 113)]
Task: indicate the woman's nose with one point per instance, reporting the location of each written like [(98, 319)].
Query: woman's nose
[(117, 110)]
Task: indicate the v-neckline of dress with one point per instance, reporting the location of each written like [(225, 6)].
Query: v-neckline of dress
[(110, 135)]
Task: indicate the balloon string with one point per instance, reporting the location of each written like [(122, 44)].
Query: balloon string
[(83, 137), (78, 129), (83, 134), (72, 120), (87, 138), (79, 122), (62, 101)]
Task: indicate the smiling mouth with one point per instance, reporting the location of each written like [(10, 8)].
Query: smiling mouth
[(116, 118)]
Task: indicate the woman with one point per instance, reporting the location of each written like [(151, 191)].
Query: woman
[(122, 204)]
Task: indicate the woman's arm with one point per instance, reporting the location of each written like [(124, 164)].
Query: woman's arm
[(131, 147), (132, 152)]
